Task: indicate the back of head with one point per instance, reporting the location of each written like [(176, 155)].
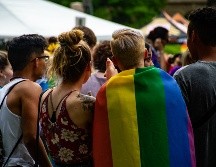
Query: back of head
[(89, 35), (173, 58), (71, 57), (203, 22), (52, 39), (102, 51), (128, 46), (158, 32), (21, 48), (3, 60)]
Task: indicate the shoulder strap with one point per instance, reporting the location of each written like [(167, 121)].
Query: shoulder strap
[(9, 90), (14, 148), (53, 117), (38, 129), (205, 118)]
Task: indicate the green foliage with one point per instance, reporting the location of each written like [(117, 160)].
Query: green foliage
[(133, 13), (172, 48), (103, 13), (62, 2)]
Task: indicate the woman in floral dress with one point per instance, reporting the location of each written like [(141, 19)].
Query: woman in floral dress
[(66, 114)]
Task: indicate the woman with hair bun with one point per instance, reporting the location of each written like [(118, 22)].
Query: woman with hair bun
[(66, 114)]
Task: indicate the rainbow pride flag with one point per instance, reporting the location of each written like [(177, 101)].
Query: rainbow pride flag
[(141, 120)]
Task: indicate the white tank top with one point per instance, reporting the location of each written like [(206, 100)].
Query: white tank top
[(10, 125)]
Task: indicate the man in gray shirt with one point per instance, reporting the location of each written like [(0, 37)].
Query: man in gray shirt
[(198, 84)]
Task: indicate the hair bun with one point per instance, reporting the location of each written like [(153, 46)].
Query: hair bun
[(70, 38)]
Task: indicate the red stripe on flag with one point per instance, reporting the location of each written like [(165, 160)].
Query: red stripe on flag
[(102, 152)]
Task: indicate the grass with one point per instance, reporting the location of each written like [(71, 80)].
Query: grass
[(173, 48)]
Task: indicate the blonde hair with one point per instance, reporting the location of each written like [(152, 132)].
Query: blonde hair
[(71, 57), (128, 46)]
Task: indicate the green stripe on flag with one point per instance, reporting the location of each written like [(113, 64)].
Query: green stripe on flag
[(151, 114)]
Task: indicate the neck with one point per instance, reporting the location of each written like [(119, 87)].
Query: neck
[(23, 75), (208, 54), (70, 85), (15, 78)]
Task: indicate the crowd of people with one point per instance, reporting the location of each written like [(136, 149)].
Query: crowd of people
[(73, 101)]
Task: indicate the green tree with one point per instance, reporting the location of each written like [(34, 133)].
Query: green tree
[(134, 13), (62, 2)]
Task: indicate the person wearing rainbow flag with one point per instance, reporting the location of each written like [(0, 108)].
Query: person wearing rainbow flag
[(140, 115)]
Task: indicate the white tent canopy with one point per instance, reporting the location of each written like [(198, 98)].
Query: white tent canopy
[(18, 17)]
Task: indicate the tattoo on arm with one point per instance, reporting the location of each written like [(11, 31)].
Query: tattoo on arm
[(87, 102)]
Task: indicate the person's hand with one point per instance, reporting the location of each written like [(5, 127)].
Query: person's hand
[(110, 69)]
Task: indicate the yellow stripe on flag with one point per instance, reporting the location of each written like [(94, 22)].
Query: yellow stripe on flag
[(123, 120)]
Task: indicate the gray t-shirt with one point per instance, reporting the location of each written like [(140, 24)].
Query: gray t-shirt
[(198, 85)]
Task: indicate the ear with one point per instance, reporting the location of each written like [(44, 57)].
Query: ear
[(88, 67), (115, 61), (194, 36), (36, 63), (34, 60), (145, 53), (1, 73)]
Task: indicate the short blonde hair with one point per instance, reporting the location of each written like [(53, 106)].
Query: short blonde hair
[(128, 46)]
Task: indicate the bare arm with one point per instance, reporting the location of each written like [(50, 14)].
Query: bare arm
[(162, 58), (163, 61), (29, 107)]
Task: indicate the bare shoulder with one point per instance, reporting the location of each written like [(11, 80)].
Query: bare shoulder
[(28, 89), (24, 97), (25, 89), (81, 108)]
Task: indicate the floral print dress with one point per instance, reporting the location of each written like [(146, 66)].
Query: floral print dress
[(66, 143)]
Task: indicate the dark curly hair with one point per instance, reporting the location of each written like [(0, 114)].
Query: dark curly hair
[(21, 48), (203, 22), (52, 39), (158, 32), (101, 52)]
